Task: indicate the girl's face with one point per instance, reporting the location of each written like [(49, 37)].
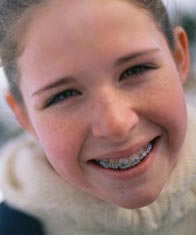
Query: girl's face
[(104, 96)]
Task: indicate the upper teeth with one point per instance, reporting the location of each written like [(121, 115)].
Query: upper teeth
[(125, 163)]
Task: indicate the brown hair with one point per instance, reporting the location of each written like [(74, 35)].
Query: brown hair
[(15, 15)]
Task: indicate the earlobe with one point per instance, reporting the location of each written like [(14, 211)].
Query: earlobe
[(19, 112), (181, 53)]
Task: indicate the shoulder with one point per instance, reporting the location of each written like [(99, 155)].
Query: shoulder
[(16, 222)]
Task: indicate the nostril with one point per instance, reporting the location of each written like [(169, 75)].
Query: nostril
[(113, 118), (110, 129)]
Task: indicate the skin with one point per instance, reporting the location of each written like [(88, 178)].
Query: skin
[(109, 114)]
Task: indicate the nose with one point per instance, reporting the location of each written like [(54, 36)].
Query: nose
[(113, 118)]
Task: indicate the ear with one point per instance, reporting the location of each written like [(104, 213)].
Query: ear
[(20, 113), (181, 53)]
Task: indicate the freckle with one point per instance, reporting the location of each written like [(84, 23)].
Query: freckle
[(122, 191)]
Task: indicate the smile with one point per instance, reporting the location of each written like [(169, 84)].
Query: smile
[(126, 163)]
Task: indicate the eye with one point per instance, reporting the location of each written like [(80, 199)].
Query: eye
[(136, 71), (62, 96)]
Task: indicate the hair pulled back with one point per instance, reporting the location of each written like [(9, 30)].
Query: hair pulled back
[(14, 18)]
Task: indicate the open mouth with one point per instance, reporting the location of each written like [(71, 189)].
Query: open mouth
[(128, 162)]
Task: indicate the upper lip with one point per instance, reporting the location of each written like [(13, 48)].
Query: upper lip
[(123, 153)]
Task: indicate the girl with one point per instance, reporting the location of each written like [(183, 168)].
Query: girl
[(99, 86)]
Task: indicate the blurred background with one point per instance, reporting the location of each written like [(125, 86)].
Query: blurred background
[(180, 11)]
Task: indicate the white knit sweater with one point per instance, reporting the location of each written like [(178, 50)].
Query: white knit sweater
[(30, 183)]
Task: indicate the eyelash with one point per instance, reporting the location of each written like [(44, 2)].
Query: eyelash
[(62, 96), (130, 72), (136, 71)]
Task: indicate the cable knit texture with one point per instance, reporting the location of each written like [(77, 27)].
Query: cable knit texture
[(29, 183)]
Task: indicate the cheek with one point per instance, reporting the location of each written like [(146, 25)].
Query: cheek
[(165, 106), (61, 139)]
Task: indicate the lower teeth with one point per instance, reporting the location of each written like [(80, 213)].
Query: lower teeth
[(125, 164)]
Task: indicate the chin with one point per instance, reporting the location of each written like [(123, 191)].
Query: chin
[(138, 202)]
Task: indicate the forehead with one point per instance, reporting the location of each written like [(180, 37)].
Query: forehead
[(82, 19), (71, 30)]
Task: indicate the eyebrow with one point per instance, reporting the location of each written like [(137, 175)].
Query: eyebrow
[(118, 62), (57, 83), (135, 55)]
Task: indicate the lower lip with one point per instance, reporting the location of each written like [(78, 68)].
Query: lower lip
[(135, 171)]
